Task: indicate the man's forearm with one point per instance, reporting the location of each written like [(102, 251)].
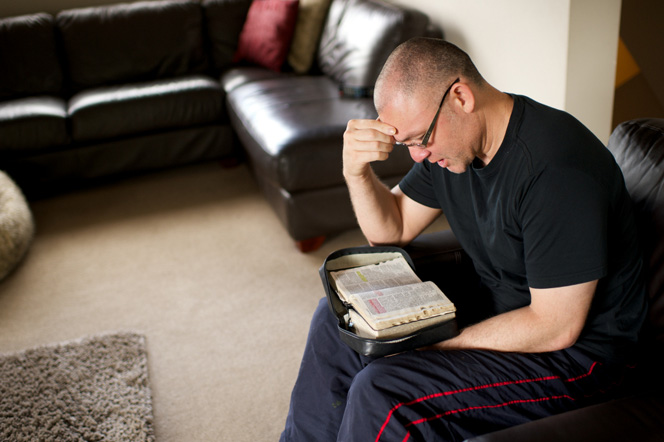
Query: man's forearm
[(553, 321), (376, 209), (385, 216), (518, 330)]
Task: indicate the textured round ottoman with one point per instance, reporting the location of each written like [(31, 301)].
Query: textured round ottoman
[(16, 225)]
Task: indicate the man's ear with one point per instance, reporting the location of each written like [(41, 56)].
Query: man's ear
[(463, 95)]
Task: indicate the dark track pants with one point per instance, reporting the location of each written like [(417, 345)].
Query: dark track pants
[(431, 395)]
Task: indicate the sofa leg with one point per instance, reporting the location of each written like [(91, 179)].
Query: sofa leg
[(310, 244)]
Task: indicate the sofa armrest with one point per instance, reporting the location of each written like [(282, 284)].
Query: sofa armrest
[(633, 418), (440, 247)]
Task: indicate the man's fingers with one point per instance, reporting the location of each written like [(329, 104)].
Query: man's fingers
[(376, 125), (366, 141), (372, 134)]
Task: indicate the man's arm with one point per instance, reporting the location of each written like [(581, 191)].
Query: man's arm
[(553, 321), (385, 216)]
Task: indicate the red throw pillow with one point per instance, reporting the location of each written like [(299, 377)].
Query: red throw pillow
[(267, 33)]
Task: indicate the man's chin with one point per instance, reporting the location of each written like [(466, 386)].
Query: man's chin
[(454, 168)]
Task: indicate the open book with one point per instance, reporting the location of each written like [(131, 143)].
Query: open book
[(388, 300)]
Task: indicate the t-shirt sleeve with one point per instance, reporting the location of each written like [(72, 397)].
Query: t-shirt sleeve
[(418, 185), (565, 224)]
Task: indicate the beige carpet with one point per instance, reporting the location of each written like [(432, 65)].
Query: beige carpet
[(194, 259), (93, 389)]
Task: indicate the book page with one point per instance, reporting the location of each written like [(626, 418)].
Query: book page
[(392, 273), (398, 305), (389, 293)]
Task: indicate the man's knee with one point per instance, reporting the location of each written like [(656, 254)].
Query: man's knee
[(389, 381), (368, 403), (367, 388)]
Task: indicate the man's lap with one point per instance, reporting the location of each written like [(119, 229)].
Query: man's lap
[(456, 394), (447, 395)]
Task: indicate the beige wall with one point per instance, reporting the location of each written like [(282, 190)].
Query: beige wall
[(560, 52), (591, 63)]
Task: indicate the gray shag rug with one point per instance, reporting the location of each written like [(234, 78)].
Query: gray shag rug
[(92, 389)]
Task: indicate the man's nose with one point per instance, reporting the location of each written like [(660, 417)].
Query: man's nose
[(418, 154)]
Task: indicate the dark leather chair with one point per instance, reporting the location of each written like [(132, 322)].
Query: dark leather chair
[(638, 146)]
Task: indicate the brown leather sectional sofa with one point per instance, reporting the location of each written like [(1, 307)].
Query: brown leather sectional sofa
[(95, 92)]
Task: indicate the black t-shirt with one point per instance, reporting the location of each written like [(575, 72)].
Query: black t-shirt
[(549, 210)]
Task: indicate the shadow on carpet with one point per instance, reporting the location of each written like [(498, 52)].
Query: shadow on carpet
[(93, 389)]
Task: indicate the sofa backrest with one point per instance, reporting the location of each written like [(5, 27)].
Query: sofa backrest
[(358, 37), (638, 146), (224, 20), (132, 42), (28, 46)]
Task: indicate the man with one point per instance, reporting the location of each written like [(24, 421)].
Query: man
[(540, 206)]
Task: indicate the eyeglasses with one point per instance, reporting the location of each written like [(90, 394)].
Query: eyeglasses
[(428, 133)]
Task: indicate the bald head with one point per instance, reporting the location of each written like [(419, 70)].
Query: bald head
[(422, 66)]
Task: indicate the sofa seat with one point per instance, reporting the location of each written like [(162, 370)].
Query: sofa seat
[(116, 111), (33, 123), (291, 128), (55, 170)]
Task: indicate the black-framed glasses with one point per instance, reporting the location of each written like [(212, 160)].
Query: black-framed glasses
[(428, 133)]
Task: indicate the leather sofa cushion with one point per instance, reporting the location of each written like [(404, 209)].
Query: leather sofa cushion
[(297, 124), (358, 37), (116, 111), (235, 78), (638, 146), (28, 46), (132, 42), (49, 173), (29, 124), (224, 20)]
